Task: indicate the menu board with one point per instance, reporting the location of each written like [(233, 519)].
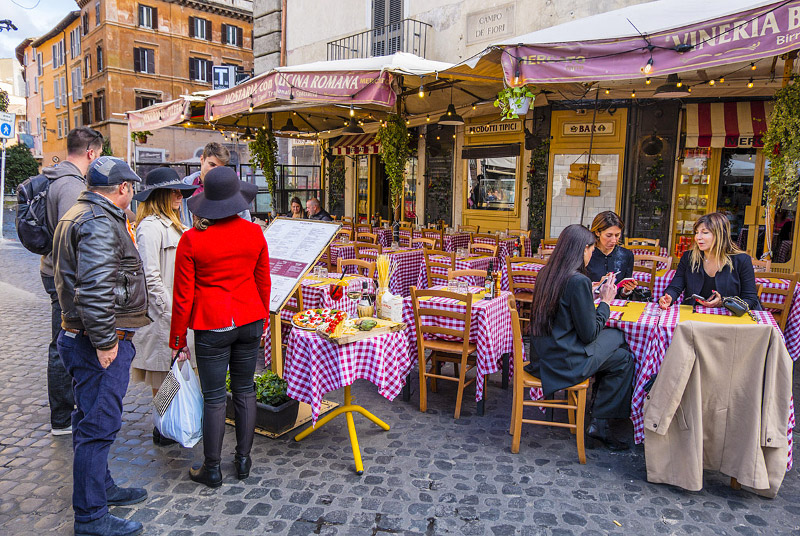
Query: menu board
[(294, 246)]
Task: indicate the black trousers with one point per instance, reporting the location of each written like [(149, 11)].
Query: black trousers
[(59, 382), (217, 351), (612, 366)]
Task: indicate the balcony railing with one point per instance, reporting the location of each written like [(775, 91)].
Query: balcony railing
[(407, 35)]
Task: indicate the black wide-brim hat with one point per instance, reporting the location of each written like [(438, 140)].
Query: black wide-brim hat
[(223, 195), (164, 178)]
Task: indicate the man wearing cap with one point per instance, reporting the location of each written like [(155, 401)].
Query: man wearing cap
[(103, 295)]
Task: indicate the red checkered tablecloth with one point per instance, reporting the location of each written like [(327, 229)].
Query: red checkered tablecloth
[(663, 279), (409, 263), (314, 366), (650, 363), (522, 279), (792, 332), (662, 252), (490, 330), (469, 263), (384, 236)]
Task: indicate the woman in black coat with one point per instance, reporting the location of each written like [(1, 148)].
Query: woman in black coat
[(609, 257), (569, 335), (714, 268)]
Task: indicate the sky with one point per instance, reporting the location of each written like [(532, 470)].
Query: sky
[(43, 16)]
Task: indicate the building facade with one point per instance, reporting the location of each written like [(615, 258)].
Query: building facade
[(113, 56)]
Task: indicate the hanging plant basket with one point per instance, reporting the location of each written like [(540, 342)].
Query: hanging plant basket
[(141, 136), (514, 101)]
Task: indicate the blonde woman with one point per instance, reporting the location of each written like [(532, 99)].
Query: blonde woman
[(714, 268), (158, 230)]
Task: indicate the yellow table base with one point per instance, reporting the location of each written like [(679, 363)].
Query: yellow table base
[(348, 408)]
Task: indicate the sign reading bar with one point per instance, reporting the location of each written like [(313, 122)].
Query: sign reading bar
[(490, 24), (601, 128), (496, 128), (294, 246)]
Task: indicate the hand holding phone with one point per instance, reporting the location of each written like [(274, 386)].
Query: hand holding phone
[(603, 281), (700, 299), (625, 281)]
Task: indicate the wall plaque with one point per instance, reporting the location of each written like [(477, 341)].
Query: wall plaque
[(490, 24)]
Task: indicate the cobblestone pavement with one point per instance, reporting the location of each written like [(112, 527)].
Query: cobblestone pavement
[(428, 475)]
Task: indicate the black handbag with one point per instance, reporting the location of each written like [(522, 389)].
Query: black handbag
[(736, 305)]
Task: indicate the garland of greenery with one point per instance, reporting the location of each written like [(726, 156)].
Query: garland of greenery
[(264, 155), (107, 150), (336, 174), (395, 152), (537, 183), (782, 149)]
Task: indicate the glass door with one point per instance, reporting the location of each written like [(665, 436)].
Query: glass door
[(737, 173), (784, 233), (363, 205)]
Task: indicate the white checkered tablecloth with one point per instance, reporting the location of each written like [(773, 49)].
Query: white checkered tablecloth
[(663, 279), (469, 263), (650, 364), (505, 248), (522, 279), (314, 366), (409, 263), (384, 236), (490, 330), (792, 332)]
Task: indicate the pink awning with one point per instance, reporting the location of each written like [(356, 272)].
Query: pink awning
[(355, 145)]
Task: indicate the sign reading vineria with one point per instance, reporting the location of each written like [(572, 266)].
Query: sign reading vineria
[(348, 87)]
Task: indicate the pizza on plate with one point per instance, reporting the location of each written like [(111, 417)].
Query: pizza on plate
[(313, 318)]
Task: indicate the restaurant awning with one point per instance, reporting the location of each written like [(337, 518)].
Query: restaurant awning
[(163, 114), (727, 124), (644, 40), (355, 145)]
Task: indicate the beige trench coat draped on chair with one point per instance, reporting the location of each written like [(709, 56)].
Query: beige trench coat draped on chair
[(720, 402), (157, 241)]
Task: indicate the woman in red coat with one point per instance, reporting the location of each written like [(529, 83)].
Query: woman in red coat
[(221, 291)]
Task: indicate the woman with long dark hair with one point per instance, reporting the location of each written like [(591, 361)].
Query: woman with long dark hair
[(221, 291), (570, 339)]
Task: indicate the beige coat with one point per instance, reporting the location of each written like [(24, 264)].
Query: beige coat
[(720, 402), (157, 240)]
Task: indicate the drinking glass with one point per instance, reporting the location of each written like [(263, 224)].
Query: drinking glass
[(354, 293), (315, 271), (463, 287), (323, 272), (336, 291), (395, 245), (452, 285)]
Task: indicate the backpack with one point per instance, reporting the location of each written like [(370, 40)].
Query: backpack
[(32, 228)]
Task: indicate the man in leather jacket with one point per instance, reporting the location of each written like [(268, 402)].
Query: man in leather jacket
[(102, 291)]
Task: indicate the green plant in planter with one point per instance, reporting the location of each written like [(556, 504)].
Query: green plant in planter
[(395, 152), (264, 155), (270, 388), (140, 136), (782, 149), (511, 98)]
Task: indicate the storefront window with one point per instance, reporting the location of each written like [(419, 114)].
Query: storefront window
[(735, 192), (410, 190), (782, 227), (492, 183), (439, 147), (691, 196), (362, 182)]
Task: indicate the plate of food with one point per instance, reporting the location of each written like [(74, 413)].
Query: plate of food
[(311, 319)]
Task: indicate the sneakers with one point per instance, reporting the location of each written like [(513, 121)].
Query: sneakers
[(108, 525), (117, 496), (61, 431)]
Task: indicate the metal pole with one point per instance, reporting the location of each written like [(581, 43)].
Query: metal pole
[(589, 160), (2, 188)]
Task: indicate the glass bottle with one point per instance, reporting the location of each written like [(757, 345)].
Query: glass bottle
[(488, 284)]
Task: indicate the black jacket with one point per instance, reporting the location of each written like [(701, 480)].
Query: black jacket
[(619, 260), (98, 272), (563, 355), (322, 215), (741, 281)]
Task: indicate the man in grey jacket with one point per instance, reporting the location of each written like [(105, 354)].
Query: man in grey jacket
[(83, 146)]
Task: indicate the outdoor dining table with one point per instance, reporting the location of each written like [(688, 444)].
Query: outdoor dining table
[(663, 279), (490, 331), (315, 366), (791, 332), (505, 247), (452, 241), (462, 263)]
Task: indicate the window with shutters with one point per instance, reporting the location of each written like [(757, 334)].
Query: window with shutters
[(144, 60), (386, 27), (86, 112), (144, 100), (100, 107), (41, 97), (56, 94), (44, 130), (199, 70), (60, 132), (64, 97), (38, 126), (97, 14), (75, 43), (148, 17), (85, 23), (87, 65), (99, 58), (54, 64), (200, 28), (77, 84), (39, 64), (76, 118), (232, 35)]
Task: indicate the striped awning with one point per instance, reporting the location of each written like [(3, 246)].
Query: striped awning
[(727, 124), (355, 145)]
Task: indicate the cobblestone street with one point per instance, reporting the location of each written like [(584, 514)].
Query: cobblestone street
[(428, 475)]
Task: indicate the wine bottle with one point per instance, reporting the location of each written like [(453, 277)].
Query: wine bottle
[(488, 284)]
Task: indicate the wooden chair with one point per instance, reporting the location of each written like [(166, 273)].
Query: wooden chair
[(649, 264), (372, 238), (368, 267), (363, 228), (468, 272), (523, 235), (383, 222), (575, 402), (522, 280), (441, 259), (367, 251), (547, 243), (483, 249), (347, 220), (460, 352), (326, 259), (761, 266), (779, 310), (759, 291), (427, 243), (344, 235), (469, 228), (635, 243), (437, 235), (406, 226)]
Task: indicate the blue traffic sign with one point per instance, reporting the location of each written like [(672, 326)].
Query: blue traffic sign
[(5, 130), (7, 121)]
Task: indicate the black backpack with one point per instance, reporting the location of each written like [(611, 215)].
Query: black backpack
[(32, 228)]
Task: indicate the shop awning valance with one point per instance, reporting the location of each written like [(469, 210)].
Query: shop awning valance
[(477, 152), (727, 124), (355, 145)]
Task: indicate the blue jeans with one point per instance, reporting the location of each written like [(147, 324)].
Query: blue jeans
[(96, 419), (59, 382)]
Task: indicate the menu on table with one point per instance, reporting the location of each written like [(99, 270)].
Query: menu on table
[(294, 246)]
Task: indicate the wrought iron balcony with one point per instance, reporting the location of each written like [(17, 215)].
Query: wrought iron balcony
[(407, 35)]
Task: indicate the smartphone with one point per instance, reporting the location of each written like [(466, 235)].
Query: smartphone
[(699, 298), (626, 280)]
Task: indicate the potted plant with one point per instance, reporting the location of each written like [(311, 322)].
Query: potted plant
[(514, 101), (275, 411), (141, 136)]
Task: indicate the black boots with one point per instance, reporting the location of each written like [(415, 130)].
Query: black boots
[(208, 474), (601, 430), (244, 407), (213, 432)]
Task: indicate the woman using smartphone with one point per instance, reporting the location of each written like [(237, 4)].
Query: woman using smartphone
[(608, 256), (570, 338), (713, 268)]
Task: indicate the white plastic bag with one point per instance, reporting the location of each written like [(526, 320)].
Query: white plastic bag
[(183, 418)]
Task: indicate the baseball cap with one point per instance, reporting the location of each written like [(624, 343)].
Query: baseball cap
[(108, 171)]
